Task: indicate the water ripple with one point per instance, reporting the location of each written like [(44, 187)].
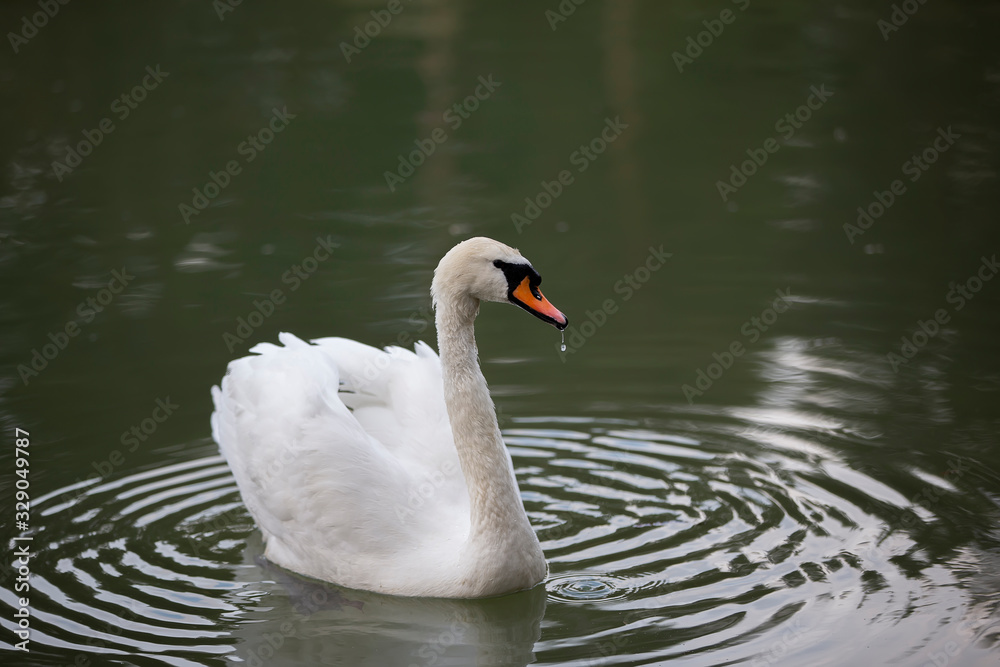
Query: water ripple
[(737, 537)]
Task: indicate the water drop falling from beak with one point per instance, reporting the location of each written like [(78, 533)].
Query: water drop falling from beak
[(563, 346)]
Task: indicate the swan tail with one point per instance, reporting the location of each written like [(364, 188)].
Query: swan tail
[(332, 488), (264, 404)]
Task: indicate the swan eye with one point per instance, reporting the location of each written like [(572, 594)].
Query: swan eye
[(518, 274)]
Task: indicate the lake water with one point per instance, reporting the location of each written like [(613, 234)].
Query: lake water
[(771, 440)]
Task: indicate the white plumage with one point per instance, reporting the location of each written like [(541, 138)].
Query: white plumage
[(384, 470)]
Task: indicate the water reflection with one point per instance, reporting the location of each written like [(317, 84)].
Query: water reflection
[(309, 623), (740, 537)]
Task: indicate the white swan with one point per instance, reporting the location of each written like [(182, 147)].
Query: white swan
[(384, 470)]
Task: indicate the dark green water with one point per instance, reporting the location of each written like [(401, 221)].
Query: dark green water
[(738, 460)]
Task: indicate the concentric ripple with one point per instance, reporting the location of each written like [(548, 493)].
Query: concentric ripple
[(745, 538), (572, 587), (149, 530), (731, 540)]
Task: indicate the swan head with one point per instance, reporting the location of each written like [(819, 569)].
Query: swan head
[(482, 269)]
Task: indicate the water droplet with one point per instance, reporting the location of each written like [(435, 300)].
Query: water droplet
[(563, 346), (581, 588)]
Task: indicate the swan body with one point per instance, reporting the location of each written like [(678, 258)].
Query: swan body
[(385, 470)]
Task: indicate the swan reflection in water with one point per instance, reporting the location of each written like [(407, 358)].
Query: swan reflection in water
[(309, 622)]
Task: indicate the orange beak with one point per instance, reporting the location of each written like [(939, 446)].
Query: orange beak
[(532, 300)]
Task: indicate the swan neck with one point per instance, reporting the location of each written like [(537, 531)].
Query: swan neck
[(493, 493)]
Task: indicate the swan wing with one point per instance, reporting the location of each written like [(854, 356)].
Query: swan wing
[(338, 468), (397, 396)]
